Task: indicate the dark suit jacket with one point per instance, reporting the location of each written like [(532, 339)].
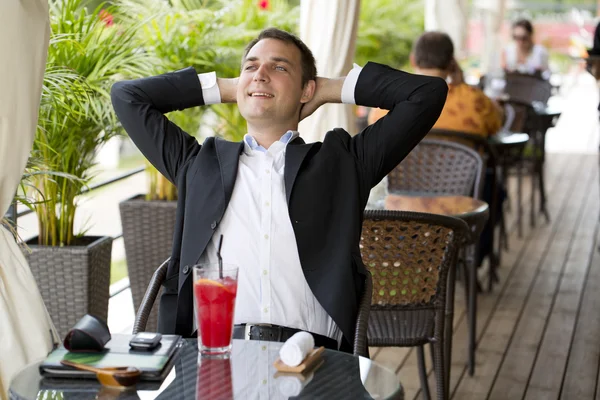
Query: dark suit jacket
[(327, 183)]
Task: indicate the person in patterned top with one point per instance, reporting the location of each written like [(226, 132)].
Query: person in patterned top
[(467, 108)]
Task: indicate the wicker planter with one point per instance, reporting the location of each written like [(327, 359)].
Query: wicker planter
[(73, 280), (148, 235)]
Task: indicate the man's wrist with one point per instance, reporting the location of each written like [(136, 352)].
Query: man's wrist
[(228, 89), (331, 90)]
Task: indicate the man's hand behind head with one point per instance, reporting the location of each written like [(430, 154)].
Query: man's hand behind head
[(326, 91), (317, 100)]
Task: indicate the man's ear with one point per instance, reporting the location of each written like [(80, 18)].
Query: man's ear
[(308, 92)]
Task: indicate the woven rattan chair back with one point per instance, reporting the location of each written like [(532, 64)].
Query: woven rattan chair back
[(408, 255), (438, 167)]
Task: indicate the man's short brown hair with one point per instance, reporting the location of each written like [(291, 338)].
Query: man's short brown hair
[(433, 50), (309, 67)]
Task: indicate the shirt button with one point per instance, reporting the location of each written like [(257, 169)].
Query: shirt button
[(264, 348), (266, 236), (266, 310), (186, 269), (267, 204), (267, 171), (264, 381), (265, 272)]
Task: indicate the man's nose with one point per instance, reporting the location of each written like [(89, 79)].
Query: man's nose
[(261, 74)]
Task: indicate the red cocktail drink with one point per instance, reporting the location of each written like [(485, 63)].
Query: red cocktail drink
[(214, 298)]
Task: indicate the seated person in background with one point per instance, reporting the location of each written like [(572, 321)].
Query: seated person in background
[(467, 109), (523, 55), (290, 212)]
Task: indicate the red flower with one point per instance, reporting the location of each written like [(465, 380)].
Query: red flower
[(106, 17), (264, 4)]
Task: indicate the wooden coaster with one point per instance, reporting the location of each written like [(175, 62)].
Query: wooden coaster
[(311, 360)]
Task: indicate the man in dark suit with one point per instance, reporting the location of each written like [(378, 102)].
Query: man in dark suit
[(290, 212)]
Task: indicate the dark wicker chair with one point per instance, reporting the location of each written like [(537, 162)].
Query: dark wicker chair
[(360, 347), (491, 160), (438, 167), (444, 167), (412, 258), (527, 88)]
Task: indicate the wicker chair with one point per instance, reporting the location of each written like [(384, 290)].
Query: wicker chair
[(491, 160), (412, 258), (527, 88), (438, 167), (360, 346), (445, 167)]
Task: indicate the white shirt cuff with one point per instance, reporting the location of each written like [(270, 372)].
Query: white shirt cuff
[(210, 89), (350, 85)]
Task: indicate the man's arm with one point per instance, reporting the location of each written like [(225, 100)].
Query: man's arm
[(415, 103), (141, 104)]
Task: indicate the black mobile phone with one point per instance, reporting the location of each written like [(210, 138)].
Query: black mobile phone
[(145, 341)]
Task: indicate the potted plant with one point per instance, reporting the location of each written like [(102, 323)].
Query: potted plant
[(76, 118)]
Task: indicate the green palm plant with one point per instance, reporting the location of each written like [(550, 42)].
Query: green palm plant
[(87, 53), (387, 30), (178, 35)]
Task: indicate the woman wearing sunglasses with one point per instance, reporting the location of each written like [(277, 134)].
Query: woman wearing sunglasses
[(523, 55)]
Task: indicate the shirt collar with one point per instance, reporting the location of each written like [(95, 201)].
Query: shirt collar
[(251, 145)]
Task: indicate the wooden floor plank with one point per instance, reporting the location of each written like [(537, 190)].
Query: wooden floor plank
[(582, 368), (554, 350), (517, 291), (486, 304)]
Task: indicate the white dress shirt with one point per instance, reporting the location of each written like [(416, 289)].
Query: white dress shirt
[(258, 236)]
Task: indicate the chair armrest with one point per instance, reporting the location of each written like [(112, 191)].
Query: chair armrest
[(362, 322), (141, 317)]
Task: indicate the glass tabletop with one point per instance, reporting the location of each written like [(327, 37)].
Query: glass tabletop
[(249, 373)]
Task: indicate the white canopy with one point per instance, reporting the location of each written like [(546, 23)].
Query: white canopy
[(329, 29), (25, 327)]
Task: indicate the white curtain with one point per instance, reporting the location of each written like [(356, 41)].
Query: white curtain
[(451, 17), (26, 332), (492, 14), (329, 29)]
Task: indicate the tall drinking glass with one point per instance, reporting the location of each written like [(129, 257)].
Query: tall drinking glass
[(214, 305)]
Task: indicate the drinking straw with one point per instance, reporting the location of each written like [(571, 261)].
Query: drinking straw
[(220, 258)]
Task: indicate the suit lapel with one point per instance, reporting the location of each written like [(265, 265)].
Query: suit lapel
[(228, 154), (295, 153)]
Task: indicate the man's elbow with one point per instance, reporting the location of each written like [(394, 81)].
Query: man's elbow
[(437, 93), (440, 87)]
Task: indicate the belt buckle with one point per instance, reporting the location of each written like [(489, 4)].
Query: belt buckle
[(248, 328)]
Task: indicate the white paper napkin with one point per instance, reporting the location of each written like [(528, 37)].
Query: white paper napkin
[(296, 348)]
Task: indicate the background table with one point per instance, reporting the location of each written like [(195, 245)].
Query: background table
[(248, 374)]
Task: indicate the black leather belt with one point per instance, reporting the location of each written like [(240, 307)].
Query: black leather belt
[(276, 333)]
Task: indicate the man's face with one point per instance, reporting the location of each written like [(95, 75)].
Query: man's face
[(270, 84)]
